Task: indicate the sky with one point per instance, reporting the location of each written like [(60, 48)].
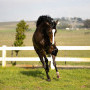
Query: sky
[(16, 10)]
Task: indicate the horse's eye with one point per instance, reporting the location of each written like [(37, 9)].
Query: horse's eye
[(50, 32)]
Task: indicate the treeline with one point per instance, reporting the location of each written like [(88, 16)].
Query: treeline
[(73, 23)]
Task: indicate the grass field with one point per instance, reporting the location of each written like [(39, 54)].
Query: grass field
[(63, 38), (35, 79), (14, 78)]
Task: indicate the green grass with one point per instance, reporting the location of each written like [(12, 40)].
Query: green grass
[(35, 79)]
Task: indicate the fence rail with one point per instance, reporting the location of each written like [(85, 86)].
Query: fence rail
[(5, 48)]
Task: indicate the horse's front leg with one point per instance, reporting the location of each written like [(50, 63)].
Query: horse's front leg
[(54, 53), (47, 69), (54, 63)]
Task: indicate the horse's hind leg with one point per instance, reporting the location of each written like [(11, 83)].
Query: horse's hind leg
[(54, 63), (41, 55), (47, 69), (41, 58)]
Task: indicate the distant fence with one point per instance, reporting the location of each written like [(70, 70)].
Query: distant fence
[(5, 48)]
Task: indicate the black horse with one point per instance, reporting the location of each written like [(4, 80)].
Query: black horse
[(42, 41)]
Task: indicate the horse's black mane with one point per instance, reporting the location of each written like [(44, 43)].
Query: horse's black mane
[(44, 18)]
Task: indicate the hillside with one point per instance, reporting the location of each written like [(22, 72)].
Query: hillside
[(12, 25)]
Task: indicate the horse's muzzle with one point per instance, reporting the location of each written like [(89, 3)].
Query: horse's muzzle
[(54, 52)]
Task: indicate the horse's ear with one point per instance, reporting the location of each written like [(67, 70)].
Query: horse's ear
[(57, 22)]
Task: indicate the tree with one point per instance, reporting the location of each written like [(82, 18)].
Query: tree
[(87, 23), (20, 35), (63, 26)]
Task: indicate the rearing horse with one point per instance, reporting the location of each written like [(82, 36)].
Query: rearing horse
[(42, 41)]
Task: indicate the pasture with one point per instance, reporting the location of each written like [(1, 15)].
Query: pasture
[(13, 78), (63, 38)]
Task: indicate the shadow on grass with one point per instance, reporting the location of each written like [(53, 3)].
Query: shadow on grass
[(34, 73)]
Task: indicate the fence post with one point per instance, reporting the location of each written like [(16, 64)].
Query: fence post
[(52, 66), (3, 56)]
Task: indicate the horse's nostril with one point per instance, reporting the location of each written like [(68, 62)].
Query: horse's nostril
[(54, 52)]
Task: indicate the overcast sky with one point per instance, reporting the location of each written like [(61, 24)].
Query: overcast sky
[(16, 10)]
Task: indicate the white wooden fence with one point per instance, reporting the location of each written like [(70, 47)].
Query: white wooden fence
[(5, 48)]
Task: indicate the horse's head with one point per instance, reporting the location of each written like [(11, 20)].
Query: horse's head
[(45, 24), (49, 31)]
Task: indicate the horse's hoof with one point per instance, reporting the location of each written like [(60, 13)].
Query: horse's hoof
[(48, 80), (58, 76)]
